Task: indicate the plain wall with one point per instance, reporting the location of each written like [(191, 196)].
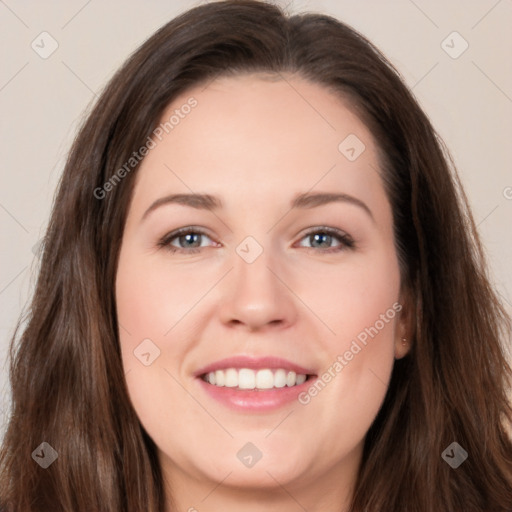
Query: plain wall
[(43, 100)]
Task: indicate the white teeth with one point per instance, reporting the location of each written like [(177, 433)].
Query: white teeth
[(291, 379), (245, 378), (264, 379), (231, 378), (280, 379), (219, 377), (300, 379)]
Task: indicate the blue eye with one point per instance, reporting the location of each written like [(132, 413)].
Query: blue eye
[(324, 236), (188, 240)]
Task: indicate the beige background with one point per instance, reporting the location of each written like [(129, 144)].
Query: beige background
[(468, 98)]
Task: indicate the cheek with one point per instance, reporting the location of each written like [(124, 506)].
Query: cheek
[(157, 313), (361, 306), (356, 301), (153, 299), (146, 308)]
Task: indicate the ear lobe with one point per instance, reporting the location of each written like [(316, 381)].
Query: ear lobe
[(404, 328), (402, 347)]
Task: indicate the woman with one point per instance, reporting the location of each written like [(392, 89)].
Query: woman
[(259, 370)]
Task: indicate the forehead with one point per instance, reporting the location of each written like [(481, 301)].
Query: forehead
[(260, 138)]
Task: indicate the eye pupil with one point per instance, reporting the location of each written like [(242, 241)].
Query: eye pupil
[(317, 237), (189, 237)]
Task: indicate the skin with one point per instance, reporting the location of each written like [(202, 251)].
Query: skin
[(257, 143)]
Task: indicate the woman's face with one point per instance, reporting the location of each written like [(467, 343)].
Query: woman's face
[(286, 267)]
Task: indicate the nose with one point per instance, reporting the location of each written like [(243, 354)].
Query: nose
[(256, 296)]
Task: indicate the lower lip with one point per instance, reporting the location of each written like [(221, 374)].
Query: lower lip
[(254, 400)]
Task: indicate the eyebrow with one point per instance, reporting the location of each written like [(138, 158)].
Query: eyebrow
[(301, 201)]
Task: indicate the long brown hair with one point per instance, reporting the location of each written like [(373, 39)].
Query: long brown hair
[(68, 386)]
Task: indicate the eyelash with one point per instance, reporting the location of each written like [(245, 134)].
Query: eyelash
[(346, 241)]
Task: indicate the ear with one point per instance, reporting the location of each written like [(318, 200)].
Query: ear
[(404, 329)]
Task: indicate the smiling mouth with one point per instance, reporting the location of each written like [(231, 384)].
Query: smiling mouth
[(256, 380)]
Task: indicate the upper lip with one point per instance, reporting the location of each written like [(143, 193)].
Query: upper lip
[(254, 363)]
